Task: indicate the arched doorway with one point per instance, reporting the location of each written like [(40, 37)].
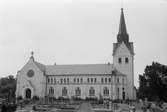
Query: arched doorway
[(123, 95), (28, 93)]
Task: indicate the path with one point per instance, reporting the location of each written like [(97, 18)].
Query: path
[(85, 107)]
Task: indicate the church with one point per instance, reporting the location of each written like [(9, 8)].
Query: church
[(109, 81)]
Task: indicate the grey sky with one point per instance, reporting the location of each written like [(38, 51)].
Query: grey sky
[(79, 32)]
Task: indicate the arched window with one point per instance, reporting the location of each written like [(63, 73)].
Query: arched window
[(91, 80), (105, 80), (64, 91), (106, 91), (119, 60), (64, 80), (77, 91), (51, 81), (118, 93), (68, 80), (88, 80), (109, 80), (51, 91), (91, 91), (74, 80), (126, 60), (118, 80), (95, 80), (61, 81), (77, 80), (81, 80), (48, 80), (102, 80), (55, 80)]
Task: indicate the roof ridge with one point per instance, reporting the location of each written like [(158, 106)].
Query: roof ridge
[(40, 66), (79, 64)]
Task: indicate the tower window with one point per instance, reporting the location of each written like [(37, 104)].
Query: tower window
[(126, 60), (119, 60)]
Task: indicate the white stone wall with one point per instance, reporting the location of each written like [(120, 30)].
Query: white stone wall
[(36, 83), (85, 86)]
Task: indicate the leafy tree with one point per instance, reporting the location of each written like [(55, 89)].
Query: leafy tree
[(8, 87), (153, 82)]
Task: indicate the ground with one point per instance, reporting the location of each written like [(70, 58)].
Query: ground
[(85, 107)]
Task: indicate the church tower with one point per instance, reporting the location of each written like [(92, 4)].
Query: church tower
[(123, 56)]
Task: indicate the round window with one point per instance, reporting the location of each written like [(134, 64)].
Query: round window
[(30, 73)]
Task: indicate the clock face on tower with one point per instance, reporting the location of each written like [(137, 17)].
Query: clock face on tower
[(30, 73)]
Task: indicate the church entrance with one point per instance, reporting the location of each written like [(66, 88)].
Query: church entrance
[(123, 95), (28, 93)]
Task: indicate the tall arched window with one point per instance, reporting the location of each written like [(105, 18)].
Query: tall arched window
[(64, 80), (106, 91), (105, 80), (51, 91), (102, 80), (64, 91), (77, 91), (51, 81), (118, 93), (55, 80), (91, 91), (48, 80)]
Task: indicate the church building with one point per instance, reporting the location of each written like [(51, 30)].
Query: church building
[(109, 81)]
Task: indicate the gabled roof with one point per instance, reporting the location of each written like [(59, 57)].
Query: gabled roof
[(128, 45), (78, 69), (40, 66)]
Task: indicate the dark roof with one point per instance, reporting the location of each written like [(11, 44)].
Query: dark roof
[(75, 69)]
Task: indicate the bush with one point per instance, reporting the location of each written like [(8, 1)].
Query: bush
[(91, 99), (19, 98), (35, 98), (63, 98), (76, 98)]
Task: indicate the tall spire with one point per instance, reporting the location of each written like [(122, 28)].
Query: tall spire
[(122, 25), (122, 34)]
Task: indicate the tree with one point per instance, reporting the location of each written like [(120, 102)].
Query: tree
[(153, 82), (8, 87)]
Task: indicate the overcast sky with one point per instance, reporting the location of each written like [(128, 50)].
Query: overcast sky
[(79, 32)]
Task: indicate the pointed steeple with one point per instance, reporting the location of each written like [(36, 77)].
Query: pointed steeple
[(122, 25), (122, 34)]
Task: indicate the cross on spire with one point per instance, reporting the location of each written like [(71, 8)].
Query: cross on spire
[(32, 55)]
